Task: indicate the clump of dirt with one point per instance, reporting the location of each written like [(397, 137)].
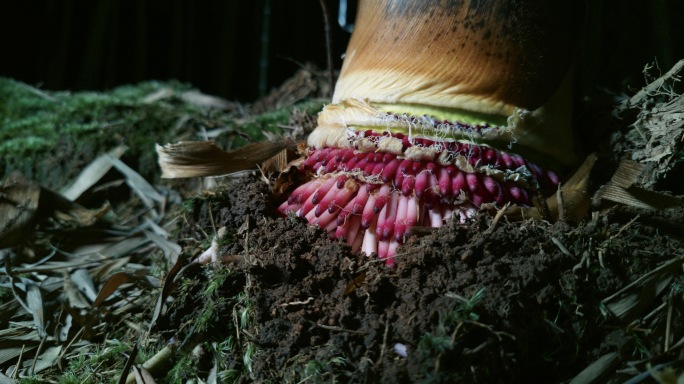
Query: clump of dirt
[(481, 302)]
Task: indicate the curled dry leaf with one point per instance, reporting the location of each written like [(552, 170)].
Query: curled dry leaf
[(204, 158)]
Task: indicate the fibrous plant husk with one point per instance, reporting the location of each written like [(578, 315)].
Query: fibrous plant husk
[(656, 137)]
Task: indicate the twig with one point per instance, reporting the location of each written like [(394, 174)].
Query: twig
[(68, 345), (38, 352), (15, 373)]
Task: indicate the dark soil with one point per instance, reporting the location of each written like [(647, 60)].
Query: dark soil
[(511, 302)]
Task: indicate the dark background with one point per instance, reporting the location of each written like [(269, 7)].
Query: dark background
[(219, 47)]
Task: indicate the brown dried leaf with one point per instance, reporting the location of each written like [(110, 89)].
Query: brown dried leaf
[(204, 158), (286, 178), (167, 288), (623, 189), (78, 216), (277, 163), (106, 267), (111, 285)]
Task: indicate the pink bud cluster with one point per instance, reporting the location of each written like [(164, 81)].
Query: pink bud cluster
[(373, 199)]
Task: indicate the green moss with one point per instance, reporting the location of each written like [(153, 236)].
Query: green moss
[(51, 136), (225, 313)]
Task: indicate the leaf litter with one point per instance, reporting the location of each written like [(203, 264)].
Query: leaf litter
[(69, 298), (496, 300)]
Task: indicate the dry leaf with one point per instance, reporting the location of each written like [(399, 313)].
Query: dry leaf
[(107, 266), (171, 250), (4, 379), (47, 359), (623, 189), (91, 174), (81, 278), (27, 293), (166, 290), (629, 302), (111, 285), (204, 158), (277, 163), (145, 191), (24, 204), (75, 297), (65, 328)]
